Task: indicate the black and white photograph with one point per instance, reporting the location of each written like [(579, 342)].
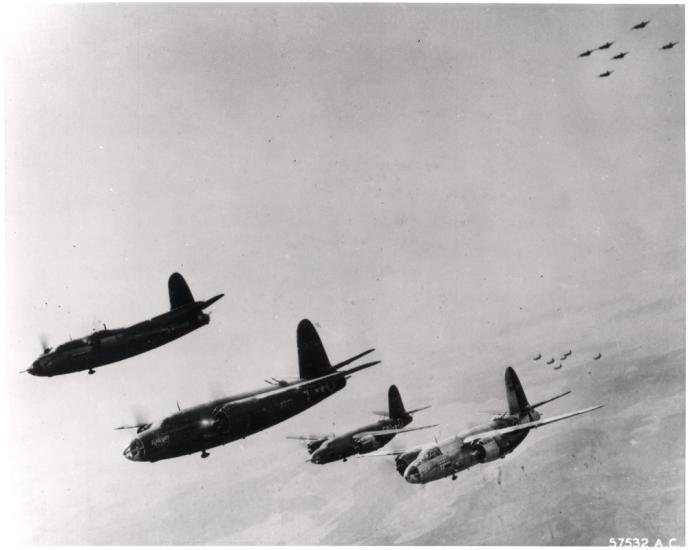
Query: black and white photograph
[(336, 274)]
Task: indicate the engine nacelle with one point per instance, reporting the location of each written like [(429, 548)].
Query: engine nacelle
[(231, 419), (404, 459), (487, 450), (365, 443), (313, 446)]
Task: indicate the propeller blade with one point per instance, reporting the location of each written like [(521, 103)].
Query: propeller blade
[(44, 343)]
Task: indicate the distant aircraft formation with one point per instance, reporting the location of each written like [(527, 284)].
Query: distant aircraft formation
[(563, 357), (621, 55), (208, 425)]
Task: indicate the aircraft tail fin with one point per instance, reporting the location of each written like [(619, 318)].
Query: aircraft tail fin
[(396, 405), (515, 396), (180, 294), (313, 361)]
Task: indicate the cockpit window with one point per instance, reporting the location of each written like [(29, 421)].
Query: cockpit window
[(432, 453), (136, 448), (72, 344)]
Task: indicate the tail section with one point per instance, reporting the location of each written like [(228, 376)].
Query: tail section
[(396, 405), (180, 294), (515, 396), (313, 361)]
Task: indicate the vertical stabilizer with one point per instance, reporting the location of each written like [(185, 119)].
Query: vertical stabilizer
[(396, 405), (313, 361), (515, 396), (180, 294)]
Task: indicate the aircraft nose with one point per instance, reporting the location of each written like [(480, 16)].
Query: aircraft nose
[(135, 451), (34, 369), (412, 475), (316, 457)]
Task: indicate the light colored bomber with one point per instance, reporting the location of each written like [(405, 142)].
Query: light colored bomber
[(480, 444), (324, 448)]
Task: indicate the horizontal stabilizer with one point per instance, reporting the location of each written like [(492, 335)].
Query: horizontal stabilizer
[(526, 426), (360, 367), (418, 410), (344, 363), (396, 430), (212, 300), (549, 400), (381, 413)]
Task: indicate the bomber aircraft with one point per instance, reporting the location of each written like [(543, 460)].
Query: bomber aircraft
[(224, 420), (324, 449), (479, 444), (112, 345)]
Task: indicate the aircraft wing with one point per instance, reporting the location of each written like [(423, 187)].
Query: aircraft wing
[(381, 453), (308, 438), (527, 425), (301, 383), (395, 431)]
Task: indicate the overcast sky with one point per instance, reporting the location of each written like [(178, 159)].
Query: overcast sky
[(449, 184)]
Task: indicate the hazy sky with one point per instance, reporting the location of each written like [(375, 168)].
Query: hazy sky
[(447, 183)]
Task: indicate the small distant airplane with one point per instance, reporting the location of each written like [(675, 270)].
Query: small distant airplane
[(563, 357), (537, 357), (557, 367), (324, 449), (640, 25), (586, 53), (605, 74), (480, 444), (598, 356), (668, 46), (620, 55), (227, 419), (568, 353), (112, 345), (550, 361), (606, 46)]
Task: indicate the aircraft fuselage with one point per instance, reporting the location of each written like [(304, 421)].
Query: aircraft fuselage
[(225, 420), (356, 442), (452, 456), (109, 346)]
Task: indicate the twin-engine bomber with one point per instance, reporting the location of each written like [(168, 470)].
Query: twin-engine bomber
[(324, 448), (225, 420), (112, 345), (480, 444)]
